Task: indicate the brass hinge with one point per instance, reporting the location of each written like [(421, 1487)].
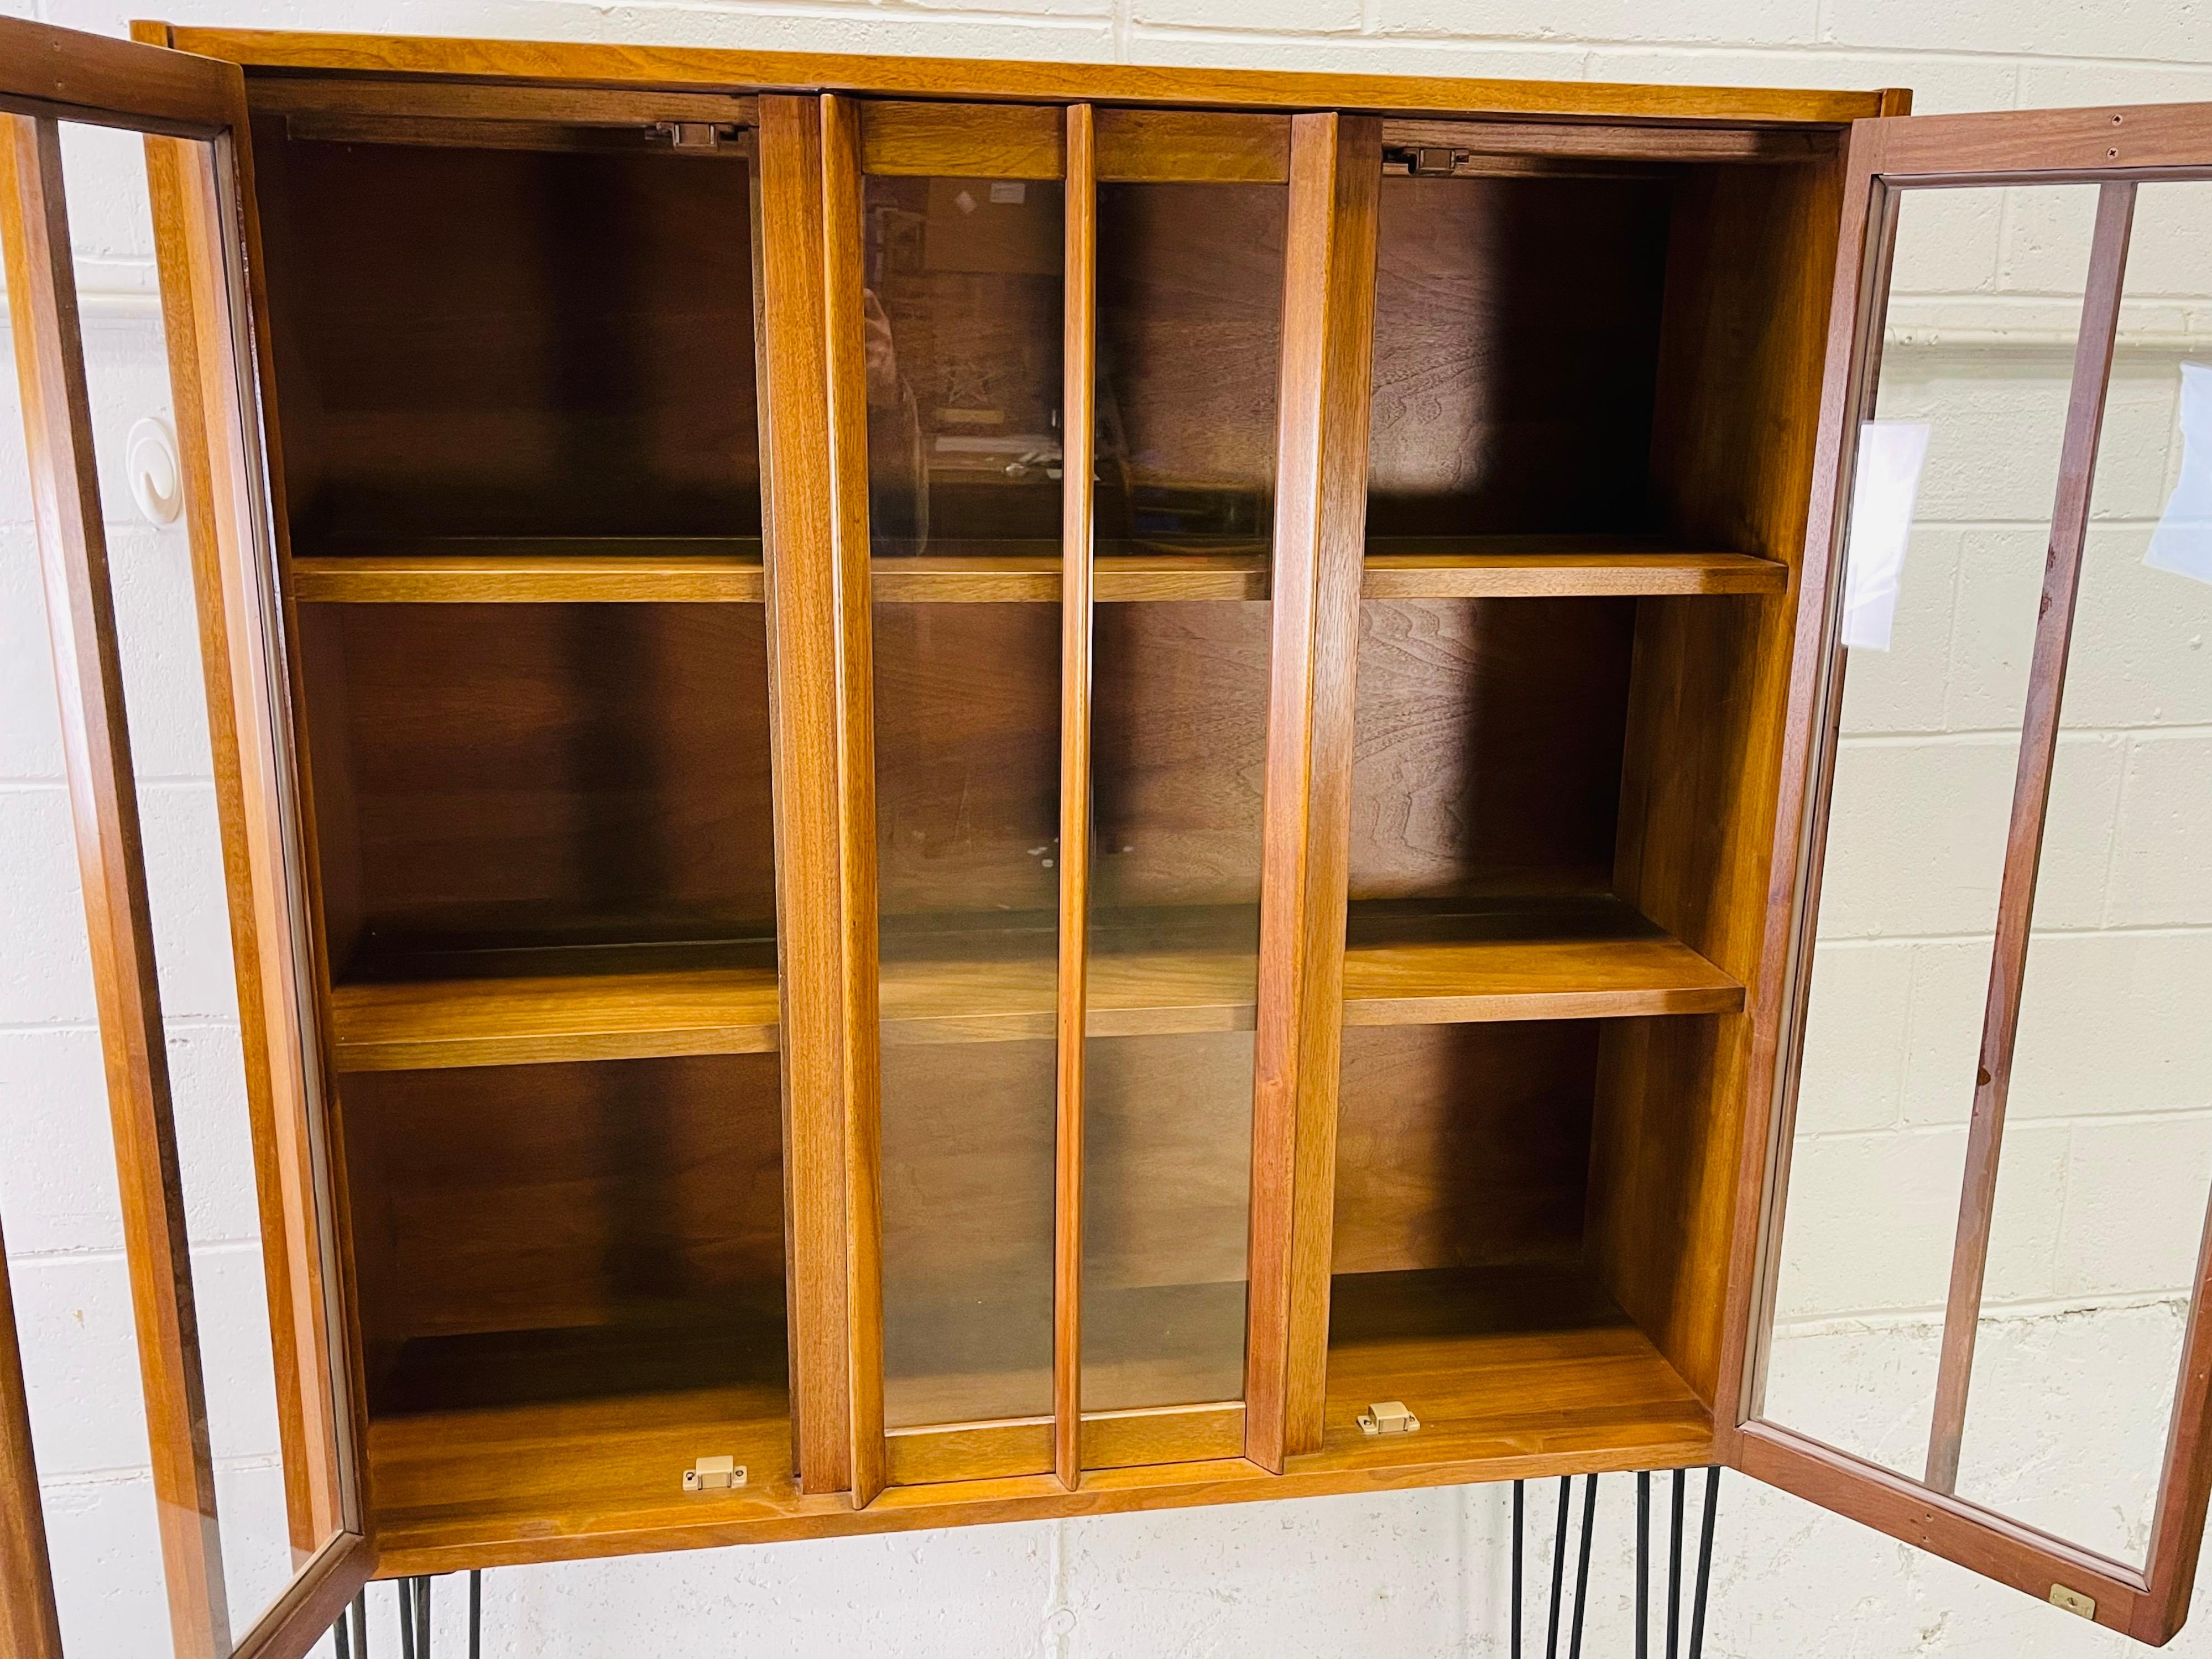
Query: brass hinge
[(2073, 1601), (1388, 1416), (715, 1475)]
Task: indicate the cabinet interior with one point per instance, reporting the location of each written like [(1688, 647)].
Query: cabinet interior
[(546, 846)]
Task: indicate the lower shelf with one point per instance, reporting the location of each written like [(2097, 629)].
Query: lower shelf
[(1498, 1363), (1522, 1371)]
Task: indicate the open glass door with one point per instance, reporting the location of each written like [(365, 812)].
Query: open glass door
[(174, 741), (1992, 1108)]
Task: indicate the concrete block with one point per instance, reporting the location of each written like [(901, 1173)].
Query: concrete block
[(1717, 22), (56, 1149), (2113, 1022), (2162, 875), (1852, 1077), (46, 972), (1260, 16), (1916, 837)]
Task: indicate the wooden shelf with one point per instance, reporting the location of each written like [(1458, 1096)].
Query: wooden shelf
[(518, 570), (488, 570), (1554, 567), (1512, 1361), (1407, 964)]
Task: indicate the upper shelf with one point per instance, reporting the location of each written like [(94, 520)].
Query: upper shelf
[(678, 570), (1407, 964)]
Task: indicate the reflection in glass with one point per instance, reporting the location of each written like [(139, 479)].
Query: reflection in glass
[(2106, 1162), (1922, 798), (962, 316)]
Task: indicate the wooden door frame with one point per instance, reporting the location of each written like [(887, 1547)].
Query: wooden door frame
[(2114, 149), (193, 111)]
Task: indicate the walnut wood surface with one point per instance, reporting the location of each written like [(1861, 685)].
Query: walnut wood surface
[(967, 141), (1157, 146), (69, 76), (1148, 973), (671, 67), (1078, 375), (111, 858), (1321, 473), (1516, 1372), (819, 728), (30, 1623), (502, 572)]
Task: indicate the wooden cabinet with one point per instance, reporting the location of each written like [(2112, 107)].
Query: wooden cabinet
[(997, 788)]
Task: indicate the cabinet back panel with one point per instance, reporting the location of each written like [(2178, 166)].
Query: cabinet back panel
[(1516, 338), (550, 772), (508, 342), (1488, 744), (1462, 1145), (968, 753), (549, 1197), (1190, 302)]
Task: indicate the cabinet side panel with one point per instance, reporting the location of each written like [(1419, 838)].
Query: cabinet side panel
[(1744, 333)]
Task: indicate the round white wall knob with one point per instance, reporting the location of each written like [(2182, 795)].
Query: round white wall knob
[(157, 479)]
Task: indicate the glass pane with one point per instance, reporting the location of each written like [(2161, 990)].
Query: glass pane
[(964, 320), (1940, 596), (165, 701), (58, 1201), (1189, 335), (2108, 1156)]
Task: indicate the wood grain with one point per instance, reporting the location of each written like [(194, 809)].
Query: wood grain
[(965, 140), (820, 726), (1734, 458), (1321, 471), (1079, 376), (1174, 1434), (1405, 568), (972, 1451), (110, 860), (257, 800), (503, 572), (30, 1623), (2030, 804), (448, 100), (69, 76), (674, 67), (1161, 146)]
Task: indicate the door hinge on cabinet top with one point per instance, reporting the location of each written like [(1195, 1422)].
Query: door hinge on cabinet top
[(690, 135), (1388, 1416), (2073, 1600), (715, 1475)]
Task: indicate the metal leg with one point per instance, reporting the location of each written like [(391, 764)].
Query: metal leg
[(1705, 1562), (1558, 1570), (1674, 1571), (404, 1588), (422, 1617), (340, 1644), (1582, 1567), (476, 1612), (1519, 1494), (1643, 1563)]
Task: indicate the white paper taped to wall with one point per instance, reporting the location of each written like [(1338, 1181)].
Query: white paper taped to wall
[(2183, 541), (1887, 483)]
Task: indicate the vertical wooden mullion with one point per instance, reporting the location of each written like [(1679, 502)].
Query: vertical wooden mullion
[(2038, 749), (821, 729), (1078, 390), (1321, 471), (103, 797)]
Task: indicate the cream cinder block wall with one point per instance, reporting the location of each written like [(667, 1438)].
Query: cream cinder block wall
[(2109, 1162)]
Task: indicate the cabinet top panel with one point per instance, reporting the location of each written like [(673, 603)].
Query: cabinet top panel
[(611, 65)]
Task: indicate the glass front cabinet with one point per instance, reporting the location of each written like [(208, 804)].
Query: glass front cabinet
[(965, 792)]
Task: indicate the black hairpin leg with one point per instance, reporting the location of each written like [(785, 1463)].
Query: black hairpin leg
[(339, 1644), (1705, 1562), (1558, 1570), (1643, 1563), (1516, 1565), (1675, 1571), (476, 1612), (404, 1588), (1582, 1566)]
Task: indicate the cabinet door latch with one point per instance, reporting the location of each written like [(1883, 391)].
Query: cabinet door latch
[(1388, 1416), (715, 1475)]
